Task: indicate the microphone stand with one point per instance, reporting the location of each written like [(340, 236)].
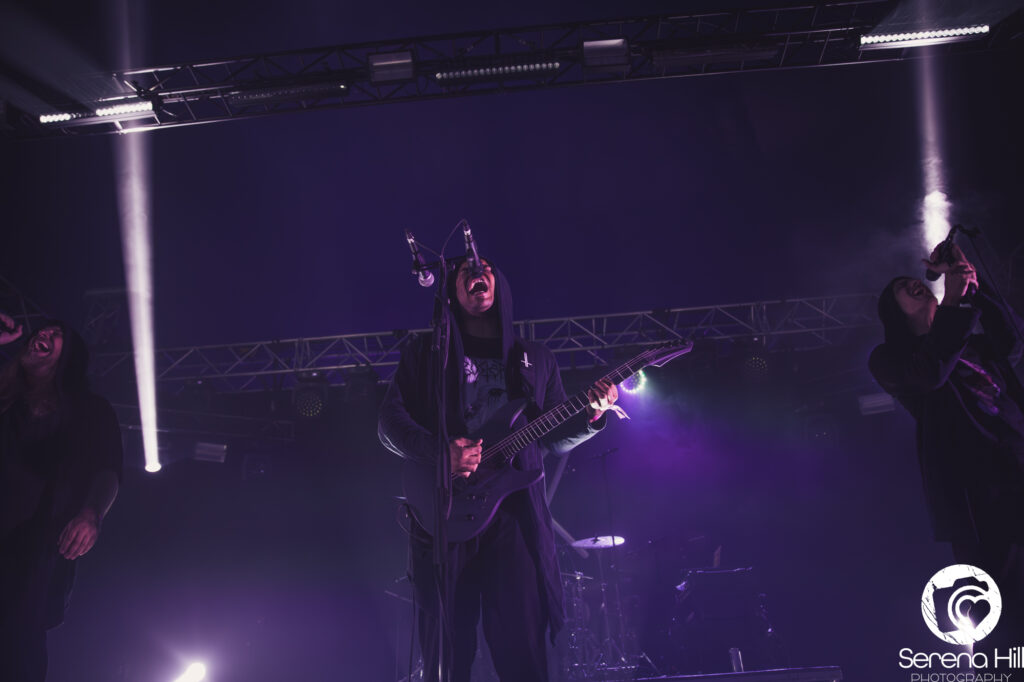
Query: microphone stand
[(440, 345)]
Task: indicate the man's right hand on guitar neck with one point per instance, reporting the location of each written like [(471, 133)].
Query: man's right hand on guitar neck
[(465, 455)]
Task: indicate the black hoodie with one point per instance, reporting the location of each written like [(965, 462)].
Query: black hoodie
[(408, 419), (962, 452)]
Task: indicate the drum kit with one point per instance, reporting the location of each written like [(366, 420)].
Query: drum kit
[(631, 617), (598, 646)]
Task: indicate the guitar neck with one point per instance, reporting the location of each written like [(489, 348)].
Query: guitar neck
[(555, 417)]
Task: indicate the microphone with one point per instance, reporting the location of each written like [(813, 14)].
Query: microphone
[(476, 268), (419, 266), (944, 254)]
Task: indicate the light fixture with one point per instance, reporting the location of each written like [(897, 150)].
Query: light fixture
[(391, 66), (487, 72), (126, 108), (635, 383), (273, 94), (606, 54), (210, 452), (309, 397), (884, 41)]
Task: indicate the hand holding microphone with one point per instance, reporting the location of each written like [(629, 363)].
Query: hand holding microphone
[(961, 279)]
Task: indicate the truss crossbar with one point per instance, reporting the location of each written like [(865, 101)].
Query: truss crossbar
[(577, 342), (476, 63)]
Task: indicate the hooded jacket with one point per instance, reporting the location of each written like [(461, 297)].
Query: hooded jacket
[(957, 449), (408, 420)]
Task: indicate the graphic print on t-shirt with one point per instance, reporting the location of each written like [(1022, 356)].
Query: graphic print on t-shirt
[(484, 380)]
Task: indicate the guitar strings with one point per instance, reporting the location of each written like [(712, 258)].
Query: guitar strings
[(622, 372)]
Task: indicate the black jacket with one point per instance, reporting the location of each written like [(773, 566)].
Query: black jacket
[(408, 418), (952, 443)]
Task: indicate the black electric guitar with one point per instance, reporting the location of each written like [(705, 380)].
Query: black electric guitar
[(475, 499)]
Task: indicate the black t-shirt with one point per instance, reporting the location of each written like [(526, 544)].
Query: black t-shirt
[(483, 380), (47, 465)]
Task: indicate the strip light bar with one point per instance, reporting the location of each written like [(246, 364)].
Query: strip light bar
[(287, 93), (127, 108), (57, 118), (919, 38), (492, 71), (135, 107)]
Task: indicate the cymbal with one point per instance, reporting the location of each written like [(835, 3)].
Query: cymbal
[(600, 542), (575, 575)]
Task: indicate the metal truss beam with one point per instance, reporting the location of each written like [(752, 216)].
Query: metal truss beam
[(578, 343), (474, 63)]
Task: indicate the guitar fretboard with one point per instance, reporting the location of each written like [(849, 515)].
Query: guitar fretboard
[(507, 447)]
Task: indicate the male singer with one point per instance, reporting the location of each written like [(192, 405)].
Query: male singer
[(508, 573)]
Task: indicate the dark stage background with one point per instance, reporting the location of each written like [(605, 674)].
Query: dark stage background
[(748, 187)]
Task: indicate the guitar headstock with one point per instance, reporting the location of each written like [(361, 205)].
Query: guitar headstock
[(662, 354)]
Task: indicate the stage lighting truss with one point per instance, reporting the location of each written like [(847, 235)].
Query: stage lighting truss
[(475, 63), (578, 343), (921, 38)]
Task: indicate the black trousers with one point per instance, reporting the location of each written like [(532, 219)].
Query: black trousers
[(493, 575)]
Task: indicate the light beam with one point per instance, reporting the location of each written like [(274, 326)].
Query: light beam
[(131, 153), (935, 207)]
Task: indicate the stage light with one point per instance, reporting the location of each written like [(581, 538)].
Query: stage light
[(287, 92), (486, 72), (210, 452), (196, 672), (613, 53), (391, 66), (132, 167), (127, 108), (755, 367), (55, 118), (921, 38), (635, 383), (309, 397)]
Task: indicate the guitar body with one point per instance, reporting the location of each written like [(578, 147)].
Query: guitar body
[(475, 500)]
